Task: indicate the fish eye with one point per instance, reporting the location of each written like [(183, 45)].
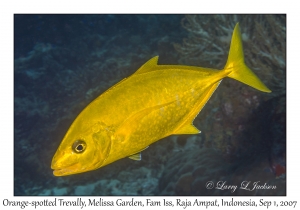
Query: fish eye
[(79, 146)]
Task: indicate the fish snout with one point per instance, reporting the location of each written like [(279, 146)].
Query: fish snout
[(64, 164)]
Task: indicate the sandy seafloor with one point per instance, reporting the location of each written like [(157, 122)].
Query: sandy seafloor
[(63, 62)]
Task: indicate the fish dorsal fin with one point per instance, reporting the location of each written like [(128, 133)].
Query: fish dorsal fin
[(187, 129), (137, 156), (148, 66)]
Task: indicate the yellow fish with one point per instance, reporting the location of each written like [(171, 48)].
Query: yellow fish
[(155, 102)]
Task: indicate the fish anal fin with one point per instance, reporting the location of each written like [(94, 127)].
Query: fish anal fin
[(188, 123), (187, 129), (148, 66)]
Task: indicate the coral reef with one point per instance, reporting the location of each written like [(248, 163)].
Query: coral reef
[(264, 40), (204, 172), (138, 181)]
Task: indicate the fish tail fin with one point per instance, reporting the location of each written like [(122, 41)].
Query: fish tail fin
[(236, 67)]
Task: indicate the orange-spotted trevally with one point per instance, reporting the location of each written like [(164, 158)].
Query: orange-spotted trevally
[(154, 102)]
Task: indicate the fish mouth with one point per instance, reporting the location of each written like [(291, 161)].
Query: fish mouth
[(63, 171)]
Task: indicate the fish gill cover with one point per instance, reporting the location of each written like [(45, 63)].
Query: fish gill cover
[(63, 62)]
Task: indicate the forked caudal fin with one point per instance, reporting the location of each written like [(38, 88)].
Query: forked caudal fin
[(236, 65)]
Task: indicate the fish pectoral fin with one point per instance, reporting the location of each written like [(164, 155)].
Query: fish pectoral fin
[(187, 129), (133, 121), (137, 156)]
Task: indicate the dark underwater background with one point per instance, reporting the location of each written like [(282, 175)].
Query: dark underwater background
[(63, 62)]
